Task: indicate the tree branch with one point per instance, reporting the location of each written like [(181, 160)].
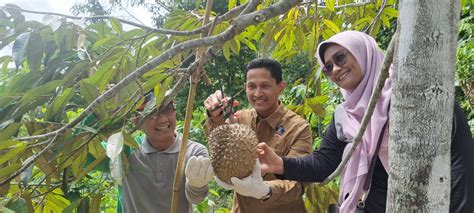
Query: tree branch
[(342, 6), (383, 75), (377, 17), (227, 16), (234, 29)]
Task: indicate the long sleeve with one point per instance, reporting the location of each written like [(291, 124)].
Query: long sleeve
[(318, 165), (196, 194), (462, 164), (286, 190)]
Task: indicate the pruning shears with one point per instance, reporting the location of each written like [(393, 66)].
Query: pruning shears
[(229, 109)]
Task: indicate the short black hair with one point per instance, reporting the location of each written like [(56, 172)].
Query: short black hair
[(271, 65)]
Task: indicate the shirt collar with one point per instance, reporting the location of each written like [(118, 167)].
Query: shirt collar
[(174, 148), (274, 119)]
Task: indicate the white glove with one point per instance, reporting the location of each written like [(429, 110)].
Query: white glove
[(252, 185), (223, 184), (199, 171)]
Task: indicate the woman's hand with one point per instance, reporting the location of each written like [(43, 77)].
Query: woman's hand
[(270, 162)]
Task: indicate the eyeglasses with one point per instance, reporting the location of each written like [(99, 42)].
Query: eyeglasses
[(340, 58), (167, 111)]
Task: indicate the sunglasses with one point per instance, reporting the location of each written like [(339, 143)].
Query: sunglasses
[(340, 58)]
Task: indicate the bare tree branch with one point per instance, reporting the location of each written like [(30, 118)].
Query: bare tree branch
[(360, 4), (377, 17), (227, 16), (239, 24), (383, 75)]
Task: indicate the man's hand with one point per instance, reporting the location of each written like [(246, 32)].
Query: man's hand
[(253, 185), (270, 161), (215, 103), (198, 171)]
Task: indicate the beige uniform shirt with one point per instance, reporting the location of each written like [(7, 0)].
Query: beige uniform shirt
[(289, 135)]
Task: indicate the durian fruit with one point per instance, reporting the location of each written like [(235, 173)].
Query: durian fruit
[(233, 151)]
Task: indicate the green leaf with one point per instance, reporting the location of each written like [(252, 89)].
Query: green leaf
[(34, 94), (5, 60), (17, 205), (89, 93), (102, 76), (391, 12), (116, 25), (8, 143), (79, 160), (59, 103), (73, 206), (330, 4), (231, 4), (226, 50), (9, 130), (129, 140), (34, 52), (19, 48), (331, 25), (12, 153), (10, 169)]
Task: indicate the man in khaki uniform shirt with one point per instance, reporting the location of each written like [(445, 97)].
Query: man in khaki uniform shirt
[(283, 130)]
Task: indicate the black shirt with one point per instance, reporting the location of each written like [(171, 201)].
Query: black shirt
[(323, 161)]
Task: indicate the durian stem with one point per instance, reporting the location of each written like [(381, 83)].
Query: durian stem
[(189, 114)]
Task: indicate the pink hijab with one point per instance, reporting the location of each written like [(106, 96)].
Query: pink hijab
[(370, 58)]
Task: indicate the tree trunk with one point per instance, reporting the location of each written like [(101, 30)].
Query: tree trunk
[(422, 107)]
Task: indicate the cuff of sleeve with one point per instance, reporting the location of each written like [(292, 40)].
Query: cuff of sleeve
[(217, 119), (287, 169)]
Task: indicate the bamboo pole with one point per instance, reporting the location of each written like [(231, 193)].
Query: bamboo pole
[(189, 113)]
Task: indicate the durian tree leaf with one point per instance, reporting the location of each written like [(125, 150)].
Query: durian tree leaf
[(116, 25), (72, 207), (96, 149), (6, 210), (15, 13), (5, 60), (90, 167), (89, 93), (102, 76), (160, 90), (130, 141), (79, 160), (34, 52), (56, 201), (19, 48), (48, 167), (34, 94), (331, 25), (10, 169), (8, 129), (26, 195), (14, 152), (114, 145), (58, 104), (18, 205)]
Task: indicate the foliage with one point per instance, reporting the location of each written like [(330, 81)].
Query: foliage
[(465, 61), (62, 67)]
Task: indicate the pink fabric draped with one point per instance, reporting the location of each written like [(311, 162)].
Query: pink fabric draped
[(370, 58)]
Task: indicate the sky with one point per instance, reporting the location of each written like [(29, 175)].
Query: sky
[(64, 6)]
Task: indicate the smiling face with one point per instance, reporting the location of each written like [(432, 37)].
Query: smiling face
[(263, 91), (160, 128), (346, 75)]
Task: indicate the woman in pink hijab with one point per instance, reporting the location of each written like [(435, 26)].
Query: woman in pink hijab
[(352, 60)]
